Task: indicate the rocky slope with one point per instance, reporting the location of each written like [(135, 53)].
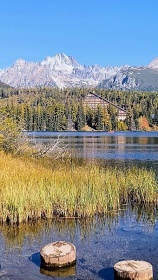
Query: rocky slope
[(134, 78), (60, 71), (64, 71)]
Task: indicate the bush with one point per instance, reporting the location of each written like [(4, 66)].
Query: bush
[(11, 137)]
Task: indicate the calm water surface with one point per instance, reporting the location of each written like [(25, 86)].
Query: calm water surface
[(100, 243), (119, 148)]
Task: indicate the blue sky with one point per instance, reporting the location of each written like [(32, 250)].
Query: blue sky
[(104, 32)]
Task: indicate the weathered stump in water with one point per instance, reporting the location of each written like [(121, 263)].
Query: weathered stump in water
[(58, 254), (133, 270)]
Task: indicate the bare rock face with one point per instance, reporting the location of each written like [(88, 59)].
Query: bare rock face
[(26, 74), (58, 71), (64, 71), (154, 64)]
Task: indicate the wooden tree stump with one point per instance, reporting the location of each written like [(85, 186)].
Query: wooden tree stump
[(58, 254), (133, 270)]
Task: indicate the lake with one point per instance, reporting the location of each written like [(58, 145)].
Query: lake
[(100, 242), (125, 148)]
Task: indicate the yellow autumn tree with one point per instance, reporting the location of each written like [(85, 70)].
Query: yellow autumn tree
[(143, 124), (122, 125), (11, 137)]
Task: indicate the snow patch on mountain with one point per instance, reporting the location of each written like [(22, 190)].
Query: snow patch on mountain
[(60, 71), (64, 71)]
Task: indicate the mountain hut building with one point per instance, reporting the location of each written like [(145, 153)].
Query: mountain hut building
[(93, 100)]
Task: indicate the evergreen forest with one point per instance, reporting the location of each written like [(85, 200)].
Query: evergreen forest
[(54, 109)]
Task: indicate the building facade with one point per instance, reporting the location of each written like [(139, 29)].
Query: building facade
[(92, 100)]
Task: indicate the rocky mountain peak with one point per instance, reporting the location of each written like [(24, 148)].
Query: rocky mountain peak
[(19, 63), (153, 64), (64, 71), (60, 62), (64, 59)]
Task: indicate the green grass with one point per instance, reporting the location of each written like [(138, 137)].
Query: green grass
[(30, 186)]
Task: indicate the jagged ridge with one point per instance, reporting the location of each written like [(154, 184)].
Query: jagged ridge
[(64, 71), (60, 71)]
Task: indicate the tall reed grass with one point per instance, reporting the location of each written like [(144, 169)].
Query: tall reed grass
[(29, 188)]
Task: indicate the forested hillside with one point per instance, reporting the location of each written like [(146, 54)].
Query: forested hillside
[(53, 109)]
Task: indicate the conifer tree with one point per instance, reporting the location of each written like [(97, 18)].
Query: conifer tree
[(99, 118), (81, 118)]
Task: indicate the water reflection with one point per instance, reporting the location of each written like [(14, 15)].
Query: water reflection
[(106, 273), (53, 272), (117, 147), (15, 235), (36, 259), (59, 272), (84, 228), (130, 233)]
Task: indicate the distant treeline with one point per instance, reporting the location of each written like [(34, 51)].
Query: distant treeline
[(53, 109)]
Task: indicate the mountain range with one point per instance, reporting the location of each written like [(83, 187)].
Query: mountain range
[(64, 71)]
